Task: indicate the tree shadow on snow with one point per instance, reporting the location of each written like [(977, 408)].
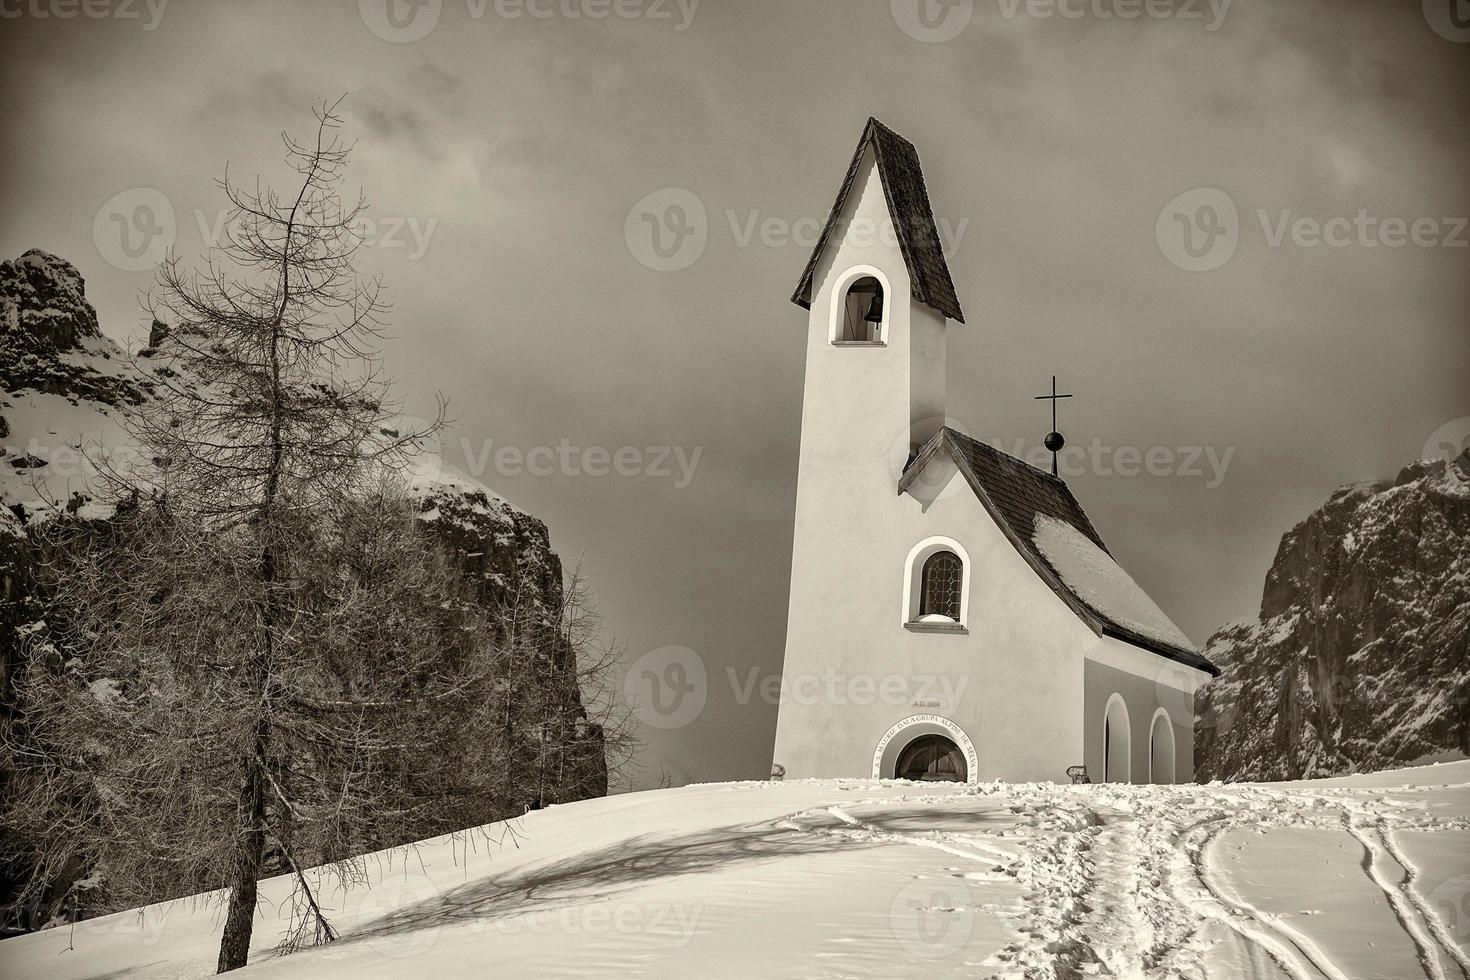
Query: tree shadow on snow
[(604, 874), (930, 819)]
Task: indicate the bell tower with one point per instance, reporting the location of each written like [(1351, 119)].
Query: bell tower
[(878, 293), (878, 296)]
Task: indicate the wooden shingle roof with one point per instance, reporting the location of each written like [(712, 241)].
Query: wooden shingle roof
[(1015, 493), (913, 220)]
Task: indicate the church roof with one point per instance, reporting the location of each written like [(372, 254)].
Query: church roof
[(1027, 504), (913, 221)]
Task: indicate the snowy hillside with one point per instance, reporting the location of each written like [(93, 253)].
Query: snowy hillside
[(1348, 879)]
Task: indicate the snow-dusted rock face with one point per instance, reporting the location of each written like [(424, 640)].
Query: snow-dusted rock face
[(1359, 660), (44, 296), (505, 549), (49, 340), (507, 554)]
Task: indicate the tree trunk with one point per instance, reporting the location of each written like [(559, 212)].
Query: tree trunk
[(234, 947)]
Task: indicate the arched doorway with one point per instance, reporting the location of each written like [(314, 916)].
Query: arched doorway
[(932, 758), (1117, 747), (1161, 749), (905, 738)]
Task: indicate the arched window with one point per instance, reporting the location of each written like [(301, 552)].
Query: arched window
[(862, 313), (941, 585), (937, 586)]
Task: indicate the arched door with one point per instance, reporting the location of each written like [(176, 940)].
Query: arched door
[(932, 758), (1161, 749), (1117, 750)]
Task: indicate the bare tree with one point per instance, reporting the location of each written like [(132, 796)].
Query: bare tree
[(266, 435), (282, 425), (383, 682), (265, 662)]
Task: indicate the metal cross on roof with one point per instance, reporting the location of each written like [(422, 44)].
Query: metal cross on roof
[(1054, 440)]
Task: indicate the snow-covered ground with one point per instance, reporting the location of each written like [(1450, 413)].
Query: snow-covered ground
[(1346, 879)]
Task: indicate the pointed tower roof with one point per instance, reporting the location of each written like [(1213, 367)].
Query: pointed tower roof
[(913, 220)]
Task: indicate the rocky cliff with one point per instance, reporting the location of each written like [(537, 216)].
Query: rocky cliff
[(1359, 660)]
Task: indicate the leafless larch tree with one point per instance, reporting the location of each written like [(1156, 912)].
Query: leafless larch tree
[(265, 663)]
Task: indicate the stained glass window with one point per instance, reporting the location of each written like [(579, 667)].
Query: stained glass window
[(943, 578)]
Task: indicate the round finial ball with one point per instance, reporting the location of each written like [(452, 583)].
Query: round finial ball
[(1054, 441)]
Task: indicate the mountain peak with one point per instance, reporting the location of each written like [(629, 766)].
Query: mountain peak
[(44, 297)]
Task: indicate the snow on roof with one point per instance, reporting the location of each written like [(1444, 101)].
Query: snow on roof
[(1018, 497), (1100, 582)]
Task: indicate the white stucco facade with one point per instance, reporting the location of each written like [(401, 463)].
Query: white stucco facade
[(1014, 683)]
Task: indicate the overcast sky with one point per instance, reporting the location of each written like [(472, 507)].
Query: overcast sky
[(504, 152)]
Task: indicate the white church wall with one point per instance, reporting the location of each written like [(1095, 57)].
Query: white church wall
[(1146, 682), (926, 374), (854, 417), (1012, 682), (1023, 649)]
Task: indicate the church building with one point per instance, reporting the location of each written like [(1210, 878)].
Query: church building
[(953, 613)]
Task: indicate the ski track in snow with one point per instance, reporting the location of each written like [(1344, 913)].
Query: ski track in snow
[(1286, 945), (1402, 909), (1123, 884), (1437, 926)]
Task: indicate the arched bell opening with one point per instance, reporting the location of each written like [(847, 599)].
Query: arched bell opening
[(862, 312)]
